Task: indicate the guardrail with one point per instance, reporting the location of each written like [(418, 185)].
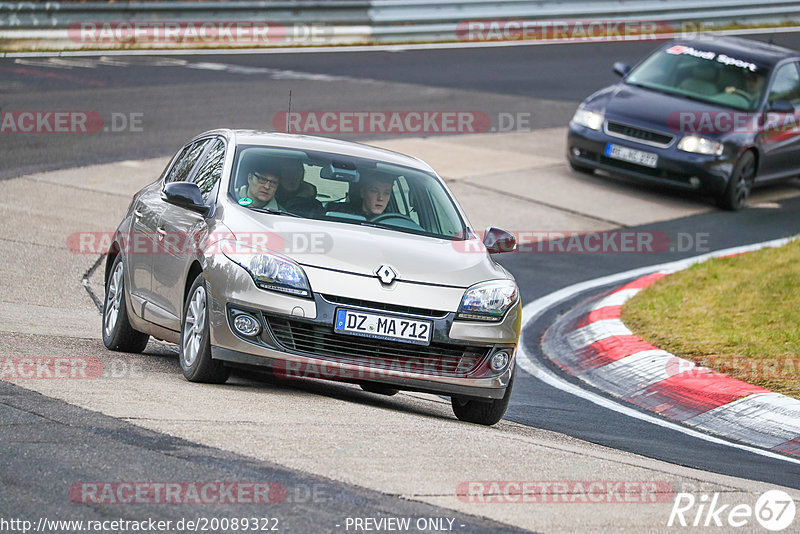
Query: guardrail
[(318, 22)]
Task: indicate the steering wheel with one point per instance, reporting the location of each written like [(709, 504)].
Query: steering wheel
[(741, 94), (398, 217)]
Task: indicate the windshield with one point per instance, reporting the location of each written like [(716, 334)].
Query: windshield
[(703, 75), (333, 187)]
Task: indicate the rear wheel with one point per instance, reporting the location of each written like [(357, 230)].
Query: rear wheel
[(482, 412), (195, 355), (118, 334), (740, 183)]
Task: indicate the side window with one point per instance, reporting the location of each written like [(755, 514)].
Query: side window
[(786, 85), (210, 170), (186, 161)]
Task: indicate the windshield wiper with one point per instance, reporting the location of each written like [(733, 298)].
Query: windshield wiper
[(273, 211), (678, 94), (652, 88)]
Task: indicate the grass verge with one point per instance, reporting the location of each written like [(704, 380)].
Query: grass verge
[(738, 315)]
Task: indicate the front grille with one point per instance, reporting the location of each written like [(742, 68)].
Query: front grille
[(321, 342), (639, 134), (346, 301)]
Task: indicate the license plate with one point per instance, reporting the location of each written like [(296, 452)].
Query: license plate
[(639, 157), (376, 326)]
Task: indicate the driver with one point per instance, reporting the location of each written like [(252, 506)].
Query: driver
[(375, 194), (753, 83), (370, 197)]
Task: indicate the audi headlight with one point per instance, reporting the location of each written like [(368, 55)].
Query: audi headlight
[(590, 119), (488, 301), (271, 271), (700, 145)]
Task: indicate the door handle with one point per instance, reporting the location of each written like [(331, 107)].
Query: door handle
[(138, 214), (161, 233)]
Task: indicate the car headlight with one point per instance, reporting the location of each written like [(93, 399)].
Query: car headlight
[(700, 145), (271, 271), (488, 301), (590, 119)]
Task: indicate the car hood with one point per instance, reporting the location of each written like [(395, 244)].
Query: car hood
[(647, 108), (361, 250)]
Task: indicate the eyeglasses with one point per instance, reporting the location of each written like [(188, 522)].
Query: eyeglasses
[(264, 180)]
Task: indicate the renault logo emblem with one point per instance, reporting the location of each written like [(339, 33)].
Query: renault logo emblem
[(386, 274)]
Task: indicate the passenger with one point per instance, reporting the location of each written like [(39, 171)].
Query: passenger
[(296, 195), (261, 187), (292, 182)]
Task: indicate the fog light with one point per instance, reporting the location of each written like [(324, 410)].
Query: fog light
[(499, 361), (694, 181), (247, 325), (576, 151)]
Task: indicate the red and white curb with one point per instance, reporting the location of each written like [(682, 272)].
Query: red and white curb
[(594, 345)]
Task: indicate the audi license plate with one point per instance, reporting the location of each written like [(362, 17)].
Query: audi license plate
[(639, 157), (376, 326)]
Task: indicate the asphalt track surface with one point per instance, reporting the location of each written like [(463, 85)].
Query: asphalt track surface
[(547, 81)]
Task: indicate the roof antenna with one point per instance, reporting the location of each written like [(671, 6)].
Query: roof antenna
[(289, 113)]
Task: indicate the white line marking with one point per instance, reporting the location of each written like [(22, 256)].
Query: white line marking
[(617, 298), (534, 309), (594, 332), (774, 426)]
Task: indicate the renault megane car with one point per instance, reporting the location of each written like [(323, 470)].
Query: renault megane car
[(714, 115), (315, 258)]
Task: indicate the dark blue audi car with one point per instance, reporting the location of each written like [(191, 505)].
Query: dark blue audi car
[(714, 115)]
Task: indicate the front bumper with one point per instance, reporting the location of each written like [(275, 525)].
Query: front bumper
[(675, 168), (297, 340)]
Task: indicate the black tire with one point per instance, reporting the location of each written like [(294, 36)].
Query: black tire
[(740, 183), (118, 334), (195, 342), (482, 412), (577, 167), (380, 389)]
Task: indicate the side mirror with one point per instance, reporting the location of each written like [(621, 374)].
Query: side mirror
[(780, 106), (185, 195), (621, 69), (496, 241)]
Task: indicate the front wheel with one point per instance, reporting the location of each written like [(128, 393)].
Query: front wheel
[(739, 184), (195, 355), (118, 334), (482, 412)]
